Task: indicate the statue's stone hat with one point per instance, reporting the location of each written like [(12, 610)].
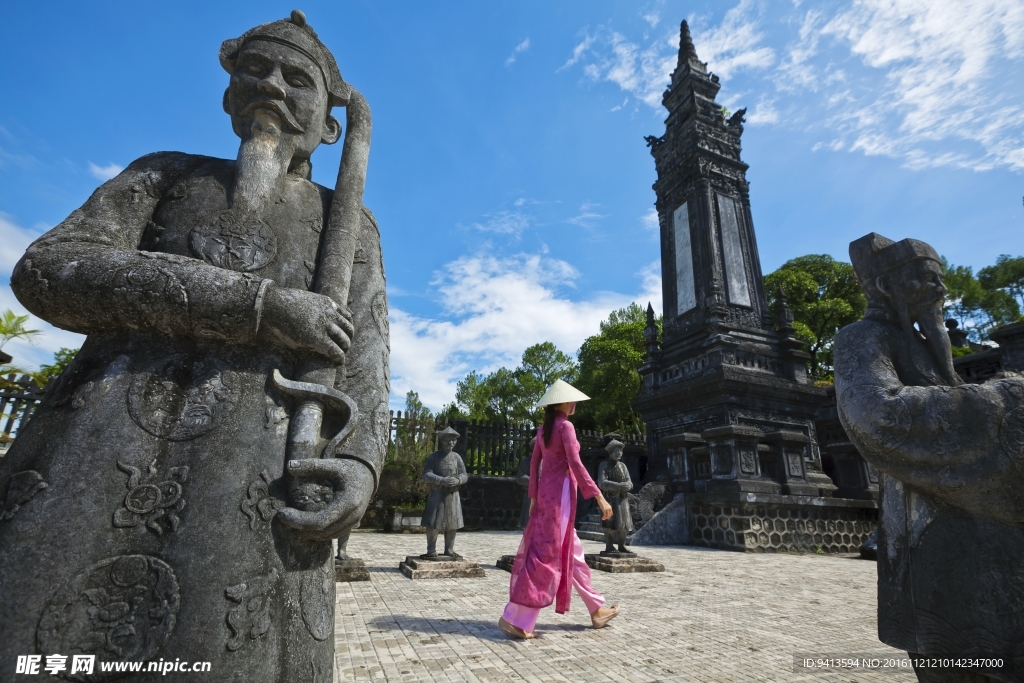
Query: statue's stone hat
[(613, 444), (448, 431), (298, 35), (873, 255), (561, 392)]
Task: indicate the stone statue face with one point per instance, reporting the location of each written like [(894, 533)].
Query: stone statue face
[(448, 443), (615, 454), (915, 292), (274, 81)]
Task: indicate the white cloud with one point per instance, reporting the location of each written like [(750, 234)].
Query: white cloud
[(493, 308), (653, 18), (104, 173), (577, 52), (505, 222), (650, 221), (587, 216), (735, 44), (928, 82), (764, 113), (643, 69), (951, 92), (14, 240), (521, 47)]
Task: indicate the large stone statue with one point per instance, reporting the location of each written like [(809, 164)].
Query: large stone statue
[(613, 480), (951, 540), (444, 472), (227, 414)]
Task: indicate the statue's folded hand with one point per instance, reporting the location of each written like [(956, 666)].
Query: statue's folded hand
[(340, 490), (304, 321)]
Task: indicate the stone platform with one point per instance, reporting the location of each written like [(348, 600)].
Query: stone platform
[(352, 569), (622, 563), (444, 567), (505, 562)]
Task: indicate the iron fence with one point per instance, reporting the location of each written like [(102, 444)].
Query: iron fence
[(19, 397)]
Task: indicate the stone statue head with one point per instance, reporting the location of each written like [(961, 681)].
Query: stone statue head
[(904, 279), (614, 449), (284, 82), (448, 437)]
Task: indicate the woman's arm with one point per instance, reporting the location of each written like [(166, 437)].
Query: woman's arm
[(535, 466), (572, 456)]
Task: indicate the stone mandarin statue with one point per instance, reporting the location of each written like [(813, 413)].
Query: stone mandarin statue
[(444, 472), (613, 480), (227, 414), (950, 541)]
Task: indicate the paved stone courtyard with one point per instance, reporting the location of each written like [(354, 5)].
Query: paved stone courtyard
[(712, 616)]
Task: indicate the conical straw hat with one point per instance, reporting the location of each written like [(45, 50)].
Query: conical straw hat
[(561, 392)]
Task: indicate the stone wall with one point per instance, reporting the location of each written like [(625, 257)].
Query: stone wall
[(491, 502)]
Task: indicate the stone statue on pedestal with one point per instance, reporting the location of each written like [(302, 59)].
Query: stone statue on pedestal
[(445, 472), (951, 534), (613, 480), (227, 415)]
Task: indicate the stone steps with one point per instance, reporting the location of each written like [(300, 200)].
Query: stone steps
[(589, 528)]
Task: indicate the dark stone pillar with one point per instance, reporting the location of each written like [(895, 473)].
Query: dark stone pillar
[(735, 465)]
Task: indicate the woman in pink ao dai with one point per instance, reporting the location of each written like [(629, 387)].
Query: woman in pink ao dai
[(550, 558)]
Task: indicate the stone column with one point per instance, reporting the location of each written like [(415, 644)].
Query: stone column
[(735, 464), (792, 450)]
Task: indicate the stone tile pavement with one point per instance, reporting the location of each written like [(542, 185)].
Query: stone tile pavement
[(712, 616)]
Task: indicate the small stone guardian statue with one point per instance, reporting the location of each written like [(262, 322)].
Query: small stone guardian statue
[(613, 480), (444, 472)]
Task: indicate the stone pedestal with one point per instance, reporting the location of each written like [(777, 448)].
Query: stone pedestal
[(505, 562), (622, 563), (441, 567), (351, 569)]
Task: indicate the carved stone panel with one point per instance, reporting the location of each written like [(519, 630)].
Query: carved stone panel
[(123, 608), (182, 398), (732, 249), (686, 296)]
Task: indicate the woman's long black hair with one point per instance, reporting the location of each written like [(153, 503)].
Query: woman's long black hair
[(549, 423)]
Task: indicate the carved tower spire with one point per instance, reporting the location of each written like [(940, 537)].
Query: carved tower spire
[(709, 252)]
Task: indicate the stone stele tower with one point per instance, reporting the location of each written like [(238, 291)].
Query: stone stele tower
[(730, 410)]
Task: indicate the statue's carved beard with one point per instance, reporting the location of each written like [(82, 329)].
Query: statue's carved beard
[(263, 160), (931, 330)]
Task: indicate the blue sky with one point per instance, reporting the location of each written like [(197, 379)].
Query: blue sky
[(508, 169)]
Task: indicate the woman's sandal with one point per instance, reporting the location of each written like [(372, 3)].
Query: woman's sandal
[(600, 620), (514, 631)]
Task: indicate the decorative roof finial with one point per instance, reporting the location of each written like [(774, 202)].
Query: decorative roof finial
[(651, 337), (686, 42), (783, 315)]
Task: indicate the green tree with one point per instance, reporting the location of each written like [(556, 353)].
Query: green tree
[(824, 296), (980, 305), (12, 326), (401, 481), (512, 395), (608, 363), (1006, 275), (61, 360)]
